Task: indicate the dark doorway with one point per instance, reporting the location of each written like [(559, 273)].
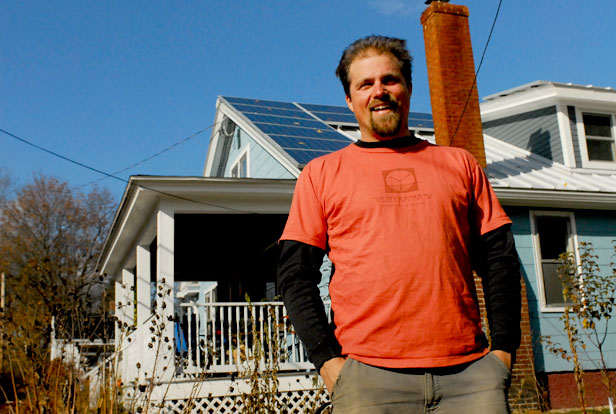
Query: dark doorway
[(239, 251)]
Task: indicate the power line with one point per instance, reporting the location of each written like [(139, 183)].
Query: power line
[(55, 154), (470, 92), (151, 156)]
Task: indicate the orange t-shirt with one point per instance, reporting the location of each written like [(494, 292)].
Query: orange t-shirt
[(398, 224)]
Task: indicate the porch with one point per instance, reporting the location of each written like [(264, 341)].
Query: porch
[(231, 337), (186, 253), (223, 353)]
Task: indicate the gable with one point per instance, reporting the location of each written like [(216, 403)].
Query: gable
[(536, 131)]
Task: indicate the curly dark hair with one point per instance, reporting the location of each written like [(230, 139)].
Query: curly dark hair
[(379, 44)]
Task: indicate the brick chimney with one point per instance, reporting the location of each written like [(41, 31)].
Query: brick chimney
[(451, 74)]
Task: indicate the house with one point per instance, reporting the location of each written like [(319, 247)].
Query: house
[(560, 193), (187, 250)]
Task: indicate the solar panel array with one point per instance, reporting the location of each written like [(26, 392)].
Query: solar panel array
[(301, 129)]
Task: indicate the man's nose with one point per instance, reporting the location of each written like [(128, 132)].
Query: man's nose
[(379, 89)]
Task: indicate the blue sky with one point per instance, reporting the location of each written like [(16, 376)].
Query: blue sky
[(109, 83)]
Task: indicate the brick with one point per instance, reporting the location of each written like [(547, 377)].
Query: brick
[(451, 75)]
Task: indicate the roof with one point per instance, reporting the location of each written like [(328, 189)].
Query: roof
[(143, 196), (302, 132), (520, 177), (541, 84), (305, 131)]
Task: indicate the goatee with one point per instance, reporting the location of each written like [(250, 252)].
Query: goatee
[(387, 125)]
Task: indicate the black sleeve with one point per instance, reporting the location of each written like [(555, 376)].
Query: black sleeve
[(298, 279), (496, 262)]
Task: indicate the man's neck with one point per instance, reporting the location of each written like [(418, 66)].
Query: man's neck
[(398, 142)]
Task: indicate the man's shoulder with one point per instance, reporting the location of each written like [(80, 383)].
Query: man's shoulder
[(329, 159), (458, 153)]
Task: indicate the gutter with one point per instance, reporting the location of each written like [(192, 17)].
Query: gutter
[(556, 198)]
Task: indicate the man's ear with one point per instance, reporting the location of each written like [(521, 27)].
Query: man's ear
[(347, 98)]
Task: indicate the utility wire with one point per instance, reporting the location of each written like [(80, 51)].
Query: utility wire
[(55, 154), (150, 157), (470, 92)]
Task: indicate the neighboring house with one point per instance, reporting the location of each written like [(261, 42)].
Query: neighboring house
[(191, 248)]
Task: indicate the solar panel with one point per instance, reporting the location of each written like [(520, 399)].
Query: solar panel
[(302, 136), (259, 102), (280, 120), (337, 118), (342, 114), (301, 143), (420, 115), (320, 133), (414, 123), (303, 157), (265, 110), (328, 109)]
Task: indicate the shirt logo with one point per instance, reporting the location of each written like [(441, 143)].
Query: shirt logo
[(401, 180)]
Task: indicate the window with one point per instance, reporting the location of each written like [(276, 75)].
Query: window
[(553, 235), (240, 168), (597, 138)]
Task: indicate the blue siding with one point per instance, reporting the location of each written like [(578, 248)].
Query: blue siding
[(536, 131), (596, 227), (262, 164)]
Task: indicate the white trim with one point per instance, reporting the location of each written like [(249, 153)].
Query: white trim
[(537, 253), (579, 112), (566, 138), (538, 94), (243, 153), (493, 110), (213, 150)]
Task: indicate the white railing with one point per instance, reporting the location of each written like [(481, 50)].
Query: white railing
[(224, 337)]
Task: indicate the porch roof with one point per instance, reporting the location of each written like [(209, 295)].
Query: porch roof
[(144, 195)]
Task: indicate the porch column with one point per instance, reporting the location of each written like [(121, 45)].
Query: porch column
[(128, 300), (165, 301), (143, 284), (118, 295), (147, 355)]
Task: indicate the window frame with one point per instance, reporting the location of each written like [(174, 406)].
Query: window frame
[(581, 130), (236, 165), (574, 245)]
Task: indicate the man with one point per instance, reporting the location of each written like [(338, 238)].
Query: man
[(404, 222)]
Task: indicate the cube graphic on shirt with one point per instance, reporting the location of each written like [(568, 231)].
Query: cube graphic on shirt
[(400, 180)]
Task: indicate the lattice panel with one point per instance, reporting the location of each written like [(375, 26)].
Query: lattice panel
[(213, 405), (291, 402)]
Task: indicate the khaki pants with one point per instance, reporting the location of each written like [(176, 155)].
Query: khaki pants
[(479, 387)]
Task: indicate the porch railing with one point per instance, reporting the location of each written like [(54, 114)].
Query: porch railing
[(228, 337)]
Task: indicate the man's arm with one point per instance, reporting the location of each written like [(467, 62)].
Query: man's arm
[(496, 262), (298, 279)]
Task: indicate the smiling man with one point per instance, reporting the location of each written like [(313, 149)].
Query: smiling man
[(404, 223)]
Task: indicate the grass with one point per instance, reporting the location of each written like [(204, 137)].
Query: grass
[(569, 411)]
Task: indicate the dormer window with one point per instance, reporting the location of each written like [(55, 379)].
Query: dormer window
[(598, 129)]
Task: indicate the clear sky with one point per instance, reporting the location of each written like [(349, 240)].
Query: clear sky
[(109, 83)]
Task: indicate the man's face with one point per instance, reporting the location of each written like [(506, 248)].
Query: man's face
[(378, 96)]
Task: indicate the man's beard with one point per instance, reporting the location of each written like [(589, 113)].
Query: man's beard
[(388, 125)]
